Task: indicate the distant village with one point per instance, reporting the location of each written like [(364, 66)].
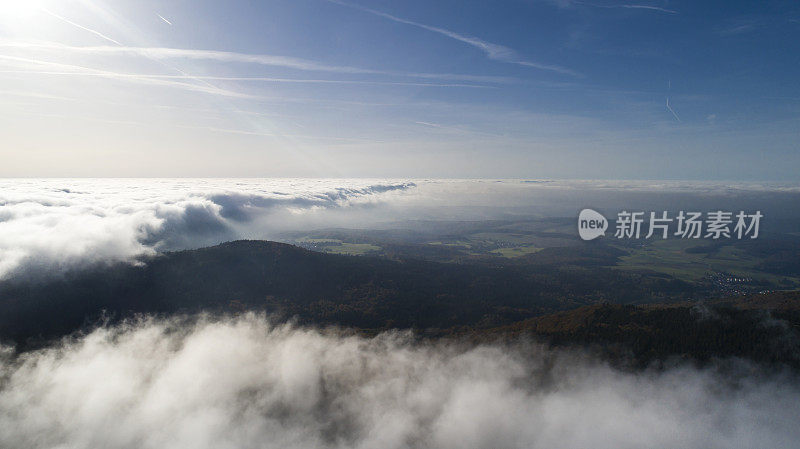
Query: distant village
[(726, 284)]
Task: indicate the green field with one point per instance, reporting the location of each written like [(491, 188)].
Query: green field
[(456, 244), (353, 249), (337, 246), (516, 251), (516, 240), (670, 257), (503, 244), (318, 241)]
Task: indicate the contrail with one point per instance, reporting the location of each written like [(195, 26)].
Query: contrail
[(493, 51), (669, 108), (165, 20), (630, 6), (314, 81), (672, 111), (259, 79), (433, 125), (269, 60), (652, 8), (97, 33)]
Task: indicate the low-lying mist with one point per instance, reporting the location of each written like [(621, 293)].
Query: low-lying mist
[(246, 383)]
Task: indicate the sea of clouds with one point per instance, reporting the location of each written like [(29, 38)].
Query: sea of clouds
[(51, 225), (245, 383), (56, 224)]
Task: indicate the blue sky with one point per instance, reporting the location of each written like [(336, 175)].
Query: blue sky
[(519, 88)]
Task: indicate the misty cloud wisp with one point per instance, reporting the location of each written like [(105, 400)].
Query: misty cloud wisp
[(243, 382)]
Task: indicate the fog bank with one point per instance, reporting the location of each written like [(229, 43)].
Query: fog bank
[(246, 383)]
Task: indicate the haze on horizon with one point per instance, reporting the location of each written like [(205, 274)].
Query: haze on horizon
[(517, 88)]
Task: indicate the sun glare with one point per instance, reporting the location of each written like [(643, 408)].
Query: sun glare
[(18, 12)]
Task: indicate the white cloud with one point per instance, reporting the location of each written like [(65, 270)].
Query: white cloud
[(246, 383), (61, 224)]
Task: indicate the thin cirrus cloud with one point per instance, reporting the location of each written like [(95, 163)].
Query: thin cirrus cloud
[(314, 81), (73, 70), (493, 51), (85, 71), (35, 66), (281, 135), (163, 53)]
